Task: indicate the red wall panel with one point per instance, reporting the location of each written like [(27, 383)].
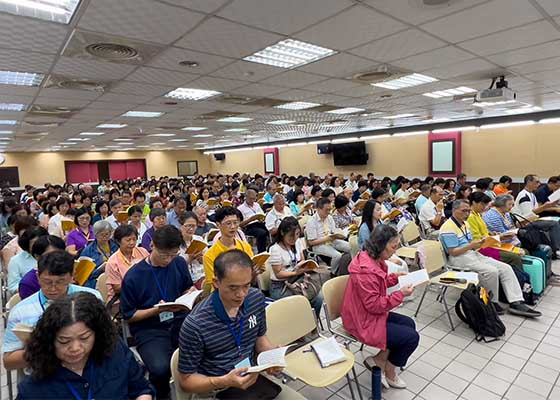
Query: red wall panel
[(127, 169), (81, 171)]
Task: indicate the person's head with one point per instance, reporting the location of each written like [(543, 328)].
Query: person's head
[(216, 187), (139, 198), (201, 215), (227, 220), (461, 210), (379, 195), (279, 202), (22, 224), (479, 202), (299, 196), (462, 179), (188, 222), (425, 189), (250, 196), (464, 192), (158, 218), (70, 331), (82, 218), (371, 214), (532, 182), (126, 197), (179, 205), (329, 194), (233, 272), (483, 184), (554, 183), (316, 191), (504, 202), (156, 202), (134, 214), (166, 243), (103, 231), (29, 236), (116, 206), (126, 237), (288, 232), (341, 202), (62, 205), (77, 196), (382, 242), (323, 206), (505, 181), (449, 185), (46, 244), (439, 182), (54, 272), (436, 194), (271, 188), (405, 183), (204, 194)]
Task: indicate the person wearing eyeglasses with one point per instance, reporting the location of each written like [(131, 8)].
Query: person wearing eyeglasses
[(54, 271), (161, 277), (189, 222)]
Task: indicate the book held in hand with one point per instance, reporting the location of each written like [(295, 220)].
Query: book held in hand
[(122, 217), (186, 300), (260, 259), (83, 267), (67, 225), (328, 351), (196, 246), (310, 265), (270, 359), (211, 234), (394, 213), (415, 278)]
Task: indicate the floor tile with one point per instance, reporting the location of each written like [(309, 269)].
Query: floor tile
[(461, 370), (533, 384), (540, 372), (424, 370), (433, 332), (451, 382), (517, 351), (435, 359), (519, 393), (500, 371), (457, 341), (446, 350), (435, 392), (508, 360), (414, 383), (398, 394), (523, 341), (495, 385), (545, 361)]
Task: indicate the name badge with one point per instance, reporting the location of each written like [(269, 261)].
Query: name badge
[(243, 363), (165, 316)]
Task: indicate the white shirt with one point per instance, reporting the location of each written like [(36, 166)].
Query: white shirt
[(286, 258), (317, 228), (273, 218), (525, 203), (55, 225), (196, 268), (249, 211), (401, 194), (113, 221), (427, 213)]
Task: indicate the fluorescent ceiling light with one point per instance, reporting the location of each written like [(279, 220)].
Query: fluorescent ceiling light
[(191, 94), (178, 140), (298, 105), (288, 131), (162, 134), (492, 103), (20, 78), (235, 119), (549, 121), (60, 11), (67, 143), (8, 122), (236, 130), (91, 133), (281, 122), (246, 137), (398, 116), (458, 129), (194, 128), (12, 107), (143, 146), (290, 53), (349, 139), (142, 114), (111, 126), (347, 110), (123, 140), (508, 124), (405, 82), (411, 133), (6, 132), (450, 92), (78, 139), (373, 137), (114, 146), (158, 144), (523, 110), (202, 135)]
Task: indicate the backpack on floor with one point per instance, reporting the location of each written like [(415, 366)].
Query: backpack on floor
[(475, 308), (525, 283)]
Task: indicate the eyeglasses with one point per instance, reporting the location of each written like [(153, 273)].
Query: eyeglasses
[(190, 226), (168, 255), (54, 284), (230, 224)]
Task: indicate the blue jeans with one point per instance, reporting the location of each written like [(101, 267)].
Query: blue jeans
[(402, 338), (276, 288)]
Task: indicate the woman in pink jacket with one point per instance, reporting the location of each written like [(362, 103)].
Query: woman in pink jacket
[(366, 309)]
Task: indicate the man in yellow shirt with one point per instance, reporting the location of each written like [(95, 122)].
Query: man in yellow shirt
[(227, 220)]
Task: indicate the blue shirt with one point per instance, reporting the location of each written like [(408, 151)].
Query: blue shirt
[(363, 235), (206, 345), (117, 377), (144, 286), (19, 265), (28, 311), (420, 202), (542, 193), (173, 219), (98, 255), (453, 235)]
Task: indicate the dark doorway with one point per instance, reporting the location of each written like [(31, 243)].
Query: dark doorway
[(103, 170)]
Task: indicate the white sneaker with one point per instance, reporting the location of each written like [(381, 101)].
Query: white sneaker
[(384, 381), (398, 383)]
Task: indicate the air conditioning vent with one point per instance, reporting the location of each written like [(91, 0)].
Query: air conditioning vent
[(62, 82), (112, 51), (42, 124), (379, 75), (217, 115), (51, 111)]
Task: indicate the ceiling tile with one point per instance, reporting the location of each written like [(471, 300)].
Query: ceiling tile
[(82, 68), (225, 38), (296, 95), (400, 45), (15, 60), (537, 66), (332, 85), (552, 7), (139, 19), (351, 28), (260, 90), (293, 79), (124, 99), (170, 58), (70, 94), (483, 19), (219, 84), (286, 16), (527, 54), (206, 6), (474, 66), (142, 89), (159, 76), (340, 65), (247, 71), (435, 58)]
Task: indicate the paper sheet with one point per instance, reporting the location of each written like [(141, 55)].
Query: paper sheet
[(415, 278), (554, 196)]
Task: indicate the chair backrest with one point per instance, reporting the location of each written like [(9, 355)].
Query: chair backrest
[(289, 319), (263, 279), (101, 286), (410, 233), (333, 292), (179, 393), (13, 301), (433, 252)]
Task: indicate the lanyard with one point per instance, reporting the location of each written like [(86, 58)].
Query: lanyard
[(162, 289), (86, 236), (221, 313), (43, 301), (465, 231), (103, 253), (75, 392)]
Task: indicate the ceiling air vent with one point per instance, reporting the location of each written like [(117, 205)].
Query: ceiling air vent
[(234, 99), (62, 82), (42, 124), (109, 48), (379, 75), (217, 115), (51, 111)]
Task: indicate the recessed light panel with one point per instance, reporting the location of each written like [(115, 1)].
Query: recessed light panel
[(405, 82), (142, 114), (236, 130), (281, 122), (8, 122), (20, 78), (290, 53), (60, 11), (347, 110), (298, 105), (235, 119), (397, 116), (6, 132), (91, 133), (111, 126), (162, 134), (450, 92), (12, 107), (123, 140), (202, 135), (194, 128), (178, 140), (191, 94)]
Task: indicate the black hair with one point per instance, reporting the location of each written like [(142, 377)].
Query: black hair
[(322, 202), (157, 212), (61, 201), (529, 178), (367, 213), (100, 204), (57, 262), (362, 183), (448, 183), (479, 197), (483, 183), (114, 202), (340, 201), (287, 225), (187, 215), (178, 199), (138, 194), (439, 181), (167, 238), (40, 352), (505, 179), (296, 194), (43, 242), (24, 223), (327, 192), (231, 259), (123, 231), (553, 179), (377, 193), (133, 209), (316, 189), (79, 213), (378, 239), (28, 235), (222, 213)]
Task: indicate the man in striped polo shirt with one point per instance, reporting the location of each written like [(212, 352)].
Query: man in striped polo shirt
[(221, 337)]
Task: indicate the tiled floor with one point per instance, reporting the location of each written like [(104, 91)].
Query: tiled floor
[(449, 365)]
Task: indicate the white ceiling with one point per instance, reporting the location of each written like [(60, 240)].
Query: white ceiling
[(462, 43)]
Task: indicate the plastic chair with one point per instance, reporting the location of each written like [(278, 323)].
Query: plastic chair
[(290, 319), (263, 280), (101, 286), (9, 305)]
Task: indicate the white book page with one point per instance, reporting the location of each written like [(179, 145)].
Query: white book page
[(189, 298), (273, 357), (329, 352), (554, 196), (414, 278)]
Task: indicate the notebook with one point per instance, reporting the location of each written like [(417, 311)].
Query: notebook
[(329, 352)]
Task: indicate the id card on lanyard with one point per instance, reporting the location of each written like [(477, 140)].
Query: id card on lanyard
[(73, 390), (237, 336), (165, 315)]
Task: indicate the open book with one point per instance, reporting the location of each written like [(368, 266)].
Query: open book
[(260, 217), (360, 204), (186, 300), (328, 351), (67, 225), (414, 195), (394, 213), (340, 234), (554, 196), (196, 246), (270, 359), (227, 203), (122, 217), (260, 259), (365, 195), (213, 202), (211, 234), (22, 331), (307, 206), (492, 241), (415, 278), (310, 265), (83, 267)]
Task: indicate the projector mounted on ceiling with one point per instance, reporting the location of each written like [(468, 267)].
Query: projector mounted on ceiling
[(500, 94)]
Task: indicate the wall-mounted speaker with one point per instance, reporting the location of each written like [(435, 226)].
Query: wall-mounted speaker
[(219, 156)]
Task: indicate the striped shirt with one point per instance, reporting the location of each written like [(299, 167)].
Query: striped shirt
[(498, 223), (452, 236), (206, 345)]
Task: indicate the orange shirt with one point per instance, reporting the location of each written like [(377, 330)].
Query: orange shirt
[(117, 266), (499, 190)]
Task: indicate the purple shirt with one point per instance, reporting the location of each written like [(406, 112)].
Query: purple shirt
[(147, 239), (29, 284), (76, 237)]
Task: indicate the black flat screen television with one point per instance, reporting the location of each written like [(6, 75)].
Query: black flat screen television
[(350, 153)]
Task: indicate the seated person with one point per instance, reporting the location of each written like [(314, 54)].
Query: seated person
[(286, 260), (296, 206), (457, 240), (431, 214), (526, 203), (116, 206), (269, 194), (77, 239), (126, 236), (498, 218), (223, 335), (250, 224), (75, 352), (101, 211), (277, 213), (366, 307), (485, 185), (29, 284), (425, 190), (159, 278), (158, 217), (102, 247), (402, 193), (135, 219), (23, 262), (328, 193), (227, 219), (203, 226), (140, 201), (179, 208), (55, 224), (189, 222), (342, 215), (318, 231), (546, 190), (362, 187), (503, 186), (55, 274)]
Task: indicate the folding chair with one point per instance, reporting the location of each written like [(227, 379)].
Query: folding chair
[(263, 280), (435, 265), (290, 319), (9, 305), (101, 286)]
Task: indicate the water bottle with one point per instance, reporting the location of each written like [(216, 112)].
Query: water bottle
[(376, 383)]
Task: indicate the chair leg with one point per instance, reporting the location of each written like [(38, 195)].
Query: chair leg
[(10, 388), (444, 292), (350, 387), (362, 347), (360, 395), (421, 301)]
